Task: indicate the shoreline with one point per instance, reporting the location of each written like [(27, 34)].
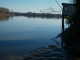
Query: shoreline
[(46, 53), (5, 16)]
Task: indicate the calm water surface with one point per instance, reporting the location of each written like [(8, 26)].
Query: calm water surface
[(20, 35)]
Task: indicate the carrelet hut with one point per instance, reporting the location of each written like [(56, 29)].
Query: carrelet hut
[(67, 9)]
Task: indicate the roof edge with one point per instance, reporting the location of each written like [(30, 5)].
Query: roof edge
[(67, 4)]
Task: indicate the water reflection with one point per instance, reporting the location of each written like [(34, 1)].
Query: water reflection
[(44, 17), (22, 35), (6, 18)]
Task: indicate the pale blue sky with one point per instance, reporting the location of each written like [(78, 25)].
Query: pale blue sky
[(30, 5)]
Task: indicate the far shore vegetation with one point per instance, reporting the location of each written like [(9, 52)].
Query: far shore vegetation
[(39, 15), (5, 13)]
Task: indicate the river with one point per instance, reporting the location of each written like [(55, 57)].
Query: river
[(21, 35)]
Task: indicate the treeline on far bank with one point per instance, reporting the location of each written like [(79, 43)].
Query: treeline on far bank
[(5, 13), (40, 15)]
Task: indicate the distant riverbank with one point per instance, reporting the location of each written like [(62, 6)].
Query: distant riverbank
[(5, 13), (5, 16), (39, 15)]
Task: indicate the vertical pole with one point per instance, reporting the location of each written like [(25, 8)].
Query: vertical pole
[(62, 31), (63, 23)]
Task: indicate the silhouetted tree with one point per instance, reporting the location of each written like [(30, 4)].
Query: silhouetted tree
[(4, 10), (72, 33)]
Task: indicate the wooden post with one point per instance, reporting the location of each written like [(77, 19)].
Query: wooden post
[(62, 23), (62, 31)]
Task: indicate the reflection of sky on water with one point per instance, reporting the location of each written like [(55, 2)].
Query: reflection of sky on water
[(27, 24), (28, 28), (22, 35)]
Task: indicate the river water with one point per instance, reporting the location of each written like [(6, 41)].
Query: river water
[(20, 35)]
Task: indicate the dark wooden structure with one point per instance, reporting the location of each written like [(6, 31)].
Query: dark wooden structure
[(66, 11)]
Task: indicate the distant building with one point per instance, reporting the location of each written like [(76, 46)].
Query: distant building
[(67, 9)]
